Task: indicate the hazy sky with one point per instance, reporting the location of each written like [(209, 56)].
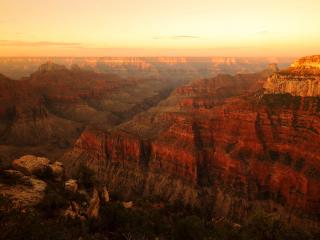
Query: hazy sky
[(161, 27)]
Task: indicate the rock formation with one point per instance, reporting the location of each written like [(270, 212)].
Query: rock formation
[(302, 78), (39, 166), (94, 205), (71, 185), (228, 144), (57, 170), (46, 112), (218, 143), (23, 191), (31, 165), (105, 195), (26, 192)]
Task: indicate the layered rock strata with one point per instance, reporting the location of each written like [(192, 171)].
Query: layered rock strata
[(302, 78), (220, 143)]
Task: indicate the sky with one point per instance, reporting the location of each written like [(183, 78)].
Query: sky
[(244, 28)]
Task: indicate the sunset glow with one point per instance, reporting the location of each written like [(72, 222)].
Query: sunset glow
[(167, 27)]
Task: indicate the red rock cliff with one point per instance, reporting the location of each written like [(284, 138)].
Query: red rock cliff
[(223, 144)]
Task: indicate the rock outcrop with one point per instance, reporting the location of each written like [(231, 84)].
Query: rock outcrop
[(71, 185), (57, 170), (22, 185), (39, 166), (105, 195), (127, 205), (32, 165), (23, 191), (94, 205), (301, 79)]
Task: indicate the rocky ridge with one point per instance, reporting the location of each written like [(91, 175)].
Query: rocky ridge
[(142, 67), (46, 112), (302, 78)]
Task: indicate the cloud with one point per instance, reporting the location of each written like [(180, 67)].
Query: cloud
[(10, 43), (176, 37), (262, 31), (183, 37)]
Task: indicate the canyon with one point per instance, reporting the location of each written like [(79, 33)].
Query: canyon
[(230, 144), (227, 143), (51, 104), (47, 111)]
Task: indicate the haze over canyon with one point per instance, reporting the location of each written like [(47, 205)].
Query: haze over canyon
[(226, 144)]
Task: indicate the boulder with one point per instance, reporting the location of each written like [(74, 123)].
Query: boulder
[(32, 165), (105, 195), (127, 204), (57, 170), (71, 185)]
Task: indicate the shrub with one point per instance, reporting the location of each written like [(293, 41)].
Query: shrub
[(44, 173), (274, 155), (312, 172), (286, 159), (52, 201), (30, 224), (190, 227), (299, 164), (263, 226), (86, 177), (230, 147), (244, 154)]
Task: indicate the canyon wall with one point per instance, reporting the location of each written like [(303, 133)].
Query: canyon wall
[(300, 79), (227, 144), (222, 144), (46, 112)]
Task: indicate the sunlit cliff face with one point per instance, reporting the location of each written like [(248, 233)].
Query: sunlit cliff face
[(162, 28), (302, 78)]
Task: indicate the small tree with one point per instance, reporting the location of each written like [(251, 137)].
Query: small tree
[(190, 227), (86, 176)]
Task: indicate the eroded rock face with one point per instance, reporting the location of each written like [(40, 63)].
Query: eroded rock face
[(309, 63), (302, 78)]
